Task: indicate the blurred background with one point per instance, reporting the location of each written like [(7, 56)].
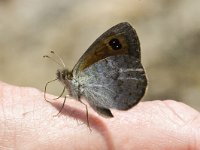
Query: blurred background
[(169, 32)]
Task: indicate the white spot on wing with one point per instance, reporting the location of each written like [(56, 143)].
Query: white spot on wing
[(127, 78), (131, 70)]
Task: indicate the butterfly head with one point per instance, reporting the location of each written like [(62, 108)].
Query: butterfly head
[(64, 74)]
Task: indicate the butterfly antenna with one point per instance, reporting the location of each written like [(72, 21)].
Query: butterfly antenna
[(61, 60), (46, 56)]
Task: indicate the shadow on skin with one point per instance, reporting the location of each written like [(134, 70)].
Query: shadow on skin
[(95, 122)]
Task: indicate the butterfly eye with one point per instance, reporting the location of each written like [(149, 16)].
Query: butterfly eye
[(63, 75), (115, 44)]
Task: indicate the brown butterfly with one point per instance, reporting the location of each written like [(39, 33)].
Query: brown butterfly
[(109, 74)]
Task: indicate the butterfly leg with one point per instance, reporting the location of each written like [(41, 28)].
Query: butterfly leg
[(45, 89), (61, 107), (87, 115), (60, 94)]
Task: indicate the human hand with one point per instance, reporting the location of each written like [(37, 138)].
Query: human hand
[(27, 122)]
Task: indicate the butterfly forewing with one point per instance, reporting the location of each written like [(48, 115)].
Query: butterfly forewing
[(103, 47)]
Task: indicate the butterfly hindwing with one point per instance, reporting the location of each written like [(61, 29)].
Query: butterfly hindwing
[(115, 82)]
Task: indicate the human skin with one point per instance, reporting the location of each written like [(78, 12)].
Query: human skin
[(28, 122)]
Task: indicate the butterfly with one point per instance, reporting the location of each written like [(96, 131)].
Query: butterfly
[(109, 75)]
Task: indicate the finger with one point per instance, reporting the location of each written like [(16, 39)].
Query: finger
[(157, 125)]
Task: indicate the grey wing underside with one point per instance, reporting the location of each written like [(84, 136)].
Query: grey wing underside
[(114, 82)]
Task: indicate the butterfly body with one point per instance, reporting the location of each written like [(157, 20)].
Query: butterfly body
[(110, 73)]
